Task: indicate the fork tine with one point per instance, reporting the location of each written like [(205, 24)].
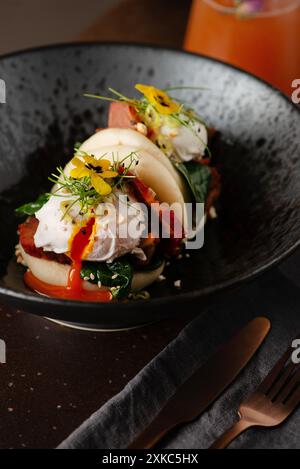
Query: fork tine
[(270, 379), (281, 382), (294, 400), (284, 394)]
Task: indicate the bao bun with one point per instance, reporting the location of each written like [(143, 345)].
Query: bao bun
[(154, 169), (54, 273)]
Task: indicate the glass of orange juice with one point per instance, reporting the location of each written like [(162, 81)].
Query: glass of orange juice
[(260, 36)]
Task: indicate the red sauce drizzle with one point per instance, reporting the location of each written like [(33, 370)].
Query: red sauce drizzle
[(79, 243), (74, 289)]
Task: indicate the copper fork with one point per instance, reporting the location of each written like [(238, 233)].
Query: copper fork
[(274, 400)]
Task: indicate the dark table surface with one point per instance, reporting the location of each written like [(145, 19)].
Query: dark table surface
[(56, 377)]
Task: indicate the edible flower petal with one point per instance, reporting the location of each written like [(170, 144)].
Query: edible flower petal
[(248, 7), (100, 185), (159, 99), (97, 170), (109, 174), (80, 170)]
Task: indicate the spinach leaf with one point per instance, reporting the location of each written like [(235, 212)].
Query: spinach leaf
[(197, 176), (117, 274), (32, 207)]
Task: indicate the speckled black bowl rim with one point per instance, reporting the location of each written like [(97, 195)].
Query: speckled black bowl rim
[(180, 297)]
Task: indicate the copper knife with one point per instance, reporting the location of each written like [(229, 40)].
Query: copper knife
[(206, 384)]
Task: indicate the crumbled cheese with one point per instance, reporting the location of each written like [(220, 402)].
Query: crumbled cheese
[(18, 253), (177, 283), (141, 128), (161, 278), (212, 212)]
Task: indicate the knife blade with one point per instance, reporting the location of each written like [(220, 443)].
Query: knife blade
[(206, 384)]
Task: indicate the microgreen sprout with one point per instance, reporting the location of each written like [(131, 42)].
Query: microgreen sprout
[(161, 103), (81, 190)]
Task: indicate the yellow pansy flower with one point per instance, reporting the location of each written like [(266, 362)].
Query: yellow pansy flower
[(159, 99), (97, 170)]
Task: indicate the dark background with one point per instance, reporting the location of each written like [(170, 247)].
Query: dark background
[(30, 23)]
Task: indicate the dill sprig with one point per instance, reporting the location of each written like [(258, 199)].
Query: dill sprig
[(175, 88), (125, 173), (139, 104)]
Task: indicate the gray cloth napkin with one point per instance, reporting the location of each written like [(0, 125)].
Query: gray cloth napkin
[(122, 418)]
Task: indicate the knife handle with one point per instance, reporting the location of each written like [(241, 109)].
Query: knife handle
[(229, 435), (151, 435)]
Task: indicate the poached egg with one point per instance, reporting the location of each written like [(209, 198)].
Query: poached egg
[(188, 142), (110, 238)]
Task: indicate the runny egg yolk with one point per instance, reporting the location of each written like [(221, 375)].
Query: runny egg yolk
[(74, 290)]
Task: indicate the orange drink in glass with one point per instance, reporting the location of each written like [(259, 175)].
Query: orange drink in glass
[(260, 36)]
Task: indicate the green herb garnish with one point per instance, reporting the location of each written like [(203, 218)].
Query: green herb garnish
[(80, 190), (31, 208), (197, 176), (116, 275), (83, 190), (160, 103)]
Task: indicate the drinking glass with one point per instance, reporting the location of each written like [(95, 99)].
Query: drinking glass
[(260, 36)]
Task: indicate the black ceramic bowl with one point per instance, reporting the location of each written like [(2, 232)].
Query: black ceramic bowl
[(259, 213)]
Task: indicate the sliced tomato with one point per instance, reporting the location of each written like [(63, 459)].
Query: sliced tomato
[(122, 116), (143, 192), (171, 245), (27, 231)]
